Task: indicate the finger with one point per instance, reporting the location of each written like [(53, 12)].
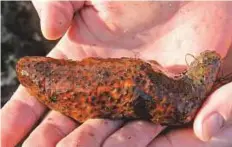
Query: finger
[(21, 113), (136, 134), (183, 137), (78, 42), (91, 45), (52, 129), (56, 17), (91, 133), (186, 137), (90, 16), (216, 114)]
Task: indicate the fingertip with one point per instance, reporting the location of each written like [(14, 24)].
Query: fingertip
[(55, 19), (214, 114), (199, 125), (54, 24)]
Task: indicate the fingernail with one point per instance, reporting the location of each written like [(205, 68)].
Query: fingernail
[(212, 125)]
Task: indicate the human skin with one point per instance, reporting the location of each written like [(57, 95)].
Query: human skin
[(128, 29)]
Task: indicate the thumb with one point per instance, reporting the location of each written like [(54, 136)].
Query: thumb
[(215, 117), (55, 17)]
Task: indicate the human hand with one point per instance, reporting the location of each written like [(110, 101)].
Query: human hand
[(115, 35)]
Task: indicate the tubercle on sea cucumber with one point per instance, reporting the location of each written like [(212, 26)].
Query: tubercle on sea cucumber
[(119, 88)]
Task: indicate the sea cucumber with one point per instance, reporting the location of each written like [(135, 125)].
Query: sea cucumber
[(120, 88)]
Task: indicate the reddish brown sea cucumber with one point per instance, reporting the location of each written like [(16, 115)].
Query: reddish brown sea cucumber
[(120, 88)]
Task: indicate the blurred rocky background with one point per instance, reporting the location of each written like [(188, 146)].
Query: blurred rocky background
[(20, 36)]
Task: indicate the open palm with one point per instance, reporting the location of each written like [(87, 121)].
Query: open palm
[(162, 31)]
